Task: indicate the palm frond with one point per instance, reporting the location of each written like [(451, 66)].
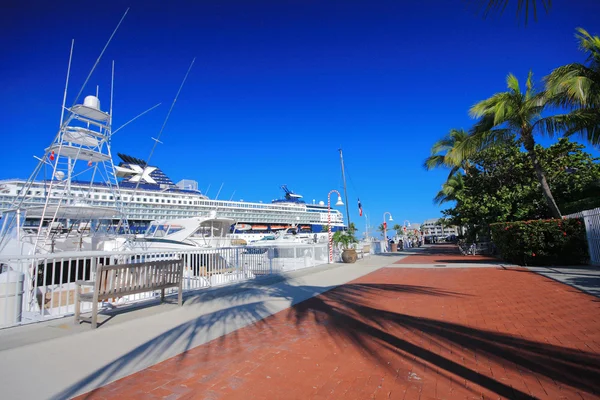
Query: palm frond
[(498, 6), (435, 161), (573, 85), (512, 83), (589, 44), (584, 123)]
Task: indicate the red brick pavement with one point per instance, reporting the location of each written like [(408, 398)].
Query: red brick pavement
[(444, 254), (399, 334)]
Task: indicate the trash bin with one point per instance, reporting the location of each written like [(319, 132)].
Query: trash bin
[(11, 297), (393, 247)]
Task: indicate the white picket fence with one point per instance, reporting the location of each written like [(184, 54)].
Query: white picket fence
[(592, 229)]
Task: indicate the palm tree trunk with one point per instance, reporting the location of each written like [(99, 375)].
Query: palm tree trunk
[(541, 175)]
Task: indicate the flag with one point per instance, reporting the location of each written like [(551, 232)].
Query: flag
[(359, 208)]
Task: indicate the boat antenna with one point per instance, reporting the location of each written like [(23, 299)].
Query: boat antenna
[(134, 118), (231, 198), (64, 103), (156, 141), (112, 87), (99, 57), (219, 191), (345, 191)]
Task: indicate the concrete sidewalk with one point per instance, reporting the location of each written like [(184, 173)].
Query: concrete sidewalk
[(66, 359), (586, 279)]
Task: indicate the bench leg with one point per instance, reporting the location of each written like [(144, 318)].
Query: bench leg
[(95, 314), (180, 295), (77, 304), (162, 295)]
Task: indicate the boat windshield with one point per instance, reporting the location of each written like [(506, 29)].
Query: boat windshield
[(174, 228), (211, 229), (161, 230), (150, 231)]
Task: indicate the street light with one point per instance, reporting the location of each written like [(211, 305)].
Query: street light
[(338, 204), (385, 227), (404, 225)]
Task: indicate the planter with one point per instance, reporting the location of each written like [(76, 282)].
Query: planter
[(349, 256)]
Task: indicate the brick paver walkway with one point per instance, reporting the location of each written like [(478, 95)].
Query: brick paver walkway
[(400, 334), (444, 254)]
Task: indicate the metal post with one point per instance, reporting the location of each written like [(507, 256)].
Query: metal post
[(329, 221)]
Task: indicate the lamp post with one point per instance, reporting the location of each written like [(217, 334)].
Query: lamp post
[(405, 225), (339, 203), (385, 226)]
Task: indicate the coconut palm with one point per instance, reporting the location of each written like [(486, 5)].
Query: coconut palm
[(450, 189), (398, 229), (577, 87), (517, 113), (381, 229), (444, 154)]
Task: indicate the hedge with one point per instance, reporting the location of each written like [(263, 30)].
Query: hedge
[(542, 242)]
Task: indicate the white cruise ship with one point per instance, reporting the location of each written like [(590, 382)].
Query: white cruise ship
[(147, 194)]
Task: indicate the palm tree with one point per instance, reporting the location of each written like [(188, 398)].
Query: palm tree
[(450, 189), (352, 227), (515, 113), (398, 229), (577, 87), (381, 230), (444, 154)]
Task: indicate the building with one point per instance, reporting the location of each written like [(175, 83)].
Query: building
[(432, 228)]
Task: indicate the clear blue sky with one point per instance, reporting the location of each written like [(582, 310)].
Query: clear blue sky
[(278, 86)]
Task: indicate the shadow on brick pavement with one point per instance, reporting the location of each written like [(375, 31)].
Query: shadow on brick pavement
[(346, 314)]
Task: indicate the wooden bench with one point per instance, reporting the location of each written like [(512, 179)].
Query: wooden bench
[(126, 279)]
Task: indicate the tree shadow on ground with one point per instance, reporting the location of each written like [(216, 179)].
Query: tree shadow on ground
[(350, 315), (350, 312), (222, 324)]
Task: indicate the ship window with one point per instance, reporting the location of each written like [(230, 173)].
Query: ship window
[(162, 200), (110, 197), (169, 201), (96, 197), (179, 201), (139, 199), (145, 199), (104, 197)]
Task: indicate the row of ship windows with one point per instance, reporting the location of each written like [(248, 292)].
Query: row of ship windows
[(109, 197), (168, 201)]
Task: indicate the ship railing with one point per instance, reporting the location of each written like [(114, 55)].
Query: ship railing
[(42, 287)]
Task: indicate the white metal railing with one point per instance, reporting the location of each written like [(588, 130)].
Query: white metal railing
[(591, 219), (35, 288)]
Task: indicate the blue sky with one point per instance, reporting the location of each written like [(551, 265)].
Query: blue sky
[(278, 87)]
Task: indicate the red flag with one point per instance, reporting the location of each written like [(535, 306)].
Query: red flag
[(359, 208)]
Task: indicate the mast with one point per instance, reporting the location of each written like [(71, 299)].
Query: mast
[(345, 191)]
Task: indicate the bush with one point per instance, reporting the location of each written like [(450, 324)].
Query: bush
[(542, 242)]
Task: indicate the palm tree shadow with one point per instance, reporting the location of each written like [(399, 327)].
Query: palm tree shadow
[(348, 315)]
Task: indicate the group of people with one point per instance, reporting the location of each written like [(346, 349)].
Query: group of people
[(405, 242)]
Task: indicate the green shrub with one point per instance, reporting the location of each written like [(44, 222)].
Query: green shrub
[(542, 242)]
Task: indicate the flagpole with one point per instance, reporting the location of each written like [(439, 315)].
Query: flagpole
[(345, 191)]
